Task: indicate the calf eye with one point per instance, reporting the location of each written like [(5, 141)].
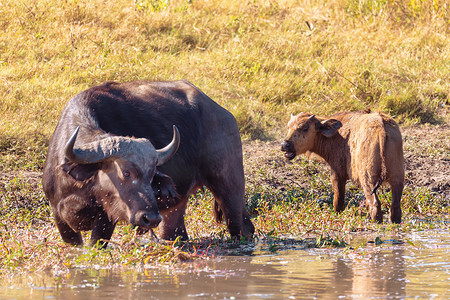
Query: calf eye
[(126, 173)]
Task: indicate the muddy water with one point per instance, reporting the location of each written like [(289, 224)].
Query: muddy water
[(400, 267)]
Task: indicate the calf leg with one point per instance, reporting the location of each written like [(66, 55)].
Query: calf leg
[(338, 184), (373, 203), (396, 210)]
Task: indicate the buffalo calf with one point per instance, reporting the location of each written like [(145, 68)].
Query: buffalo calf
[(362, 146)]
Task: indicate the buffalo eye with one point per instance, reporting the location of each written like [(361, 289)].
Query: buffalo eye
[(126, 174)]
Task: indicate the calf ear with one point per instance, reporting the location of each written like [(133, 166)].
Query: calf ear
[(329, 127), (80, 172)]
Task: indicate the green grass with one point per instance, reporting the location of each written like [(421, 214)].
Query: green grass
[(30, 242), (261, 60)]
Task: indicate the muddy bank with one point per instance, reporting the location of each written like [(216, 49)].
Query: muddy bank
[(426, 150)]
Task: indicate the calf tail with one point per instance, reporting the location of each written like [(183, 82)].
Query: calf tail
[(380, 181), (383, 174)]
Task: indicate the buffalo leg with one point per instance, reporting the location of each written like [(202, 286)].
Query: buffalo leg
[(338, 184), (68, 234), (223, 174), (103, 229), (396, 210), (249, 229), (172, 224), (230, 202)]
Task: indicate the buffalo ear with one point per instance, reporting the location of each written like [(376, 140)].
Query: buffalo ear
[(329, 127), (165, 191), (80, 172)]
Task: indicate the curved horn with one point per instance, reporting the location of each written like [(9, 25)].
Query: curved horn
[(168, 151), (311, 117), (68, 149), (117, 146), (92, 152)]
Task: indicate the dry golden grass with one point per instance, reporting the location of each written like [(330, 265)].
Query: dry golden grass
[(259, 59)]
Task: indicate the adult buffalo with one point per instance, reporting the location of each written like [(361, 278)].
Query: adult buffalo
[(362, 146), (109, 170)]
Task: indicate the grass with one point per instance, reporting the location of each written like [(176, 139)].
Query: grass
[(259, 59), (276, 57), (30, 242)]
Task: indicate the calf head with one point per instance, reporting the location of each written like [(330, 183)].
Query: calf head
[(303, 131), (118, 173)]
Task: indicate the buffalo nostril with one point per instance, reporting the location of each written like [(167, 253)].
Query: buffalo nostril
[(149, 220)]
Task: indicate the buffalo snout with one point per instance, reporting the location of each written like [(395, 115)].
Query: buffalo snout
[(146, 220), (289, 150)]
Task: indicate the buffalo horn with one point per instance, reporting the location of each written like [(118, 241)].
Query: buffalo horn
[(68, 149), (312, 116), (94, 152), (168, 151)]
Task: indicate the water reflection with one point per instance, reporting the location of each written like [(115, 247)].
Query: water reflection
[(387, 271), (383, 274)]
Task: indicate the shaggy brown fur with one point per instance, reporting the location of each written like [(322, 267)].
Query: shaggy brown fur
[(362, 146)]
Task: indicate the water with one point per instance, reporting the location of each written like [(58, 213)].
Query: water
[(413, 266)]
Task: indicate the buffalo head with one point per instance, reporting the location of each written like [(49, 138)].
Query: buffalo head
[(118, 172), (303, 130)]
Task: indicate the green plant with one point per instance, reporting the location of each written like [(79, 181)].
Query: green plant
[(152, 5)]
